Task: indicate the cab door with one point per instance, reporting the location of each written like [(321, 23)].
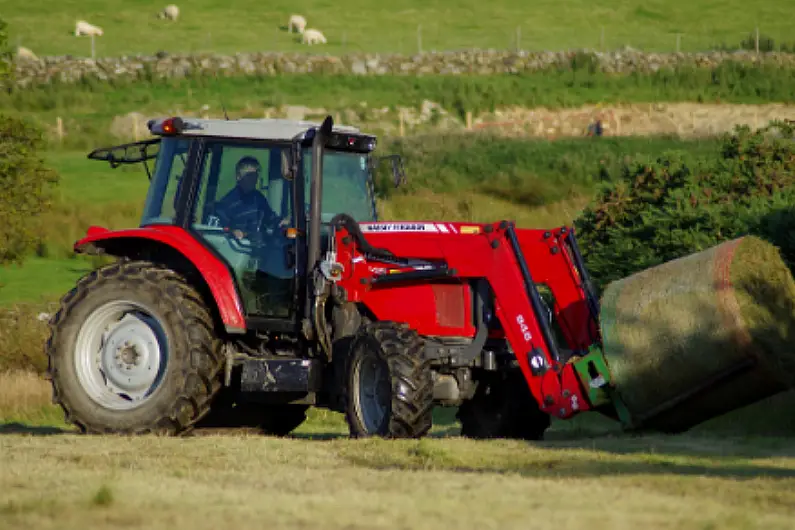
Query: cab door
[(262, 260)]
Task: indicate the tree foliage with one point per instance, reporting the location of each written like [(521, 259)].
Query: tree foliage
[(25, 183), (670, 207), (6, 58)]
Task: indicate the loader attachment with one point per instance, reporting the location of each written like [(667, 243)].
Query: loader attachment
[(400, 264)]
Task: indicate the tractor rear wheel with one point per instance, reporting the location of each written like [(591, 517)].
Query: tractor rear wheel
[(503, 407), (389, 385), (132, 350)]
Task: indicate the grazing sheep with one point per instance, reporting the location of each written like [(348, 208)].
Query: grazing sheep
[(84, 28), (313, 36), (170, 12), (24, 53), (298, 22)]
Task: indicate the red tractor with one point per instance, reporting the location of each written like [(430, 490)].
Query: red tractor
[(261, 283)]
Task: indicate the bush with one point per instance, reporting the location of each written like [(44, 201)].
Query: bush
[(673, 206), (22, 337), (24, 188)]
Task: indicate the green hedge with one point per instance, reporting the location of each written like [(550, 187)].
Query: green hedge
[(664, 208)]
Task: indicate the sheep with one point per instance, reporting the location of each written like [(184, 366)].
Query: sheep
[(313, 36), (298, 22), (84, 28), (170, 12), (24, 53)]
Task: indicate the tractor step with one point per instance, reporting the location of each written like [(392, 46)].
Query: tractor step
[(280, 375)]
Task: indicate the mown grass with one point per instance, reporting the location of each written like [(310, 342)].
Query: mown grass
[(131, 27), (203, 482), (87, 109)]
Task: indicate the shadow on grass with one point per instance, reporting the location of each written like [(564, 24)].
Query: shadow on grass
[(445, 425), (35, 430)]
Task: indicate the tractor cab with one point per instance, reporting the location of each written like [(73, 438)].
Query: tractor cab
[(241, 188)]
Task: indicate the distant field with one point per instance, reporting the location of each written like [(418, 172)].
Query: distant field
[(88, 109), (360, 25)]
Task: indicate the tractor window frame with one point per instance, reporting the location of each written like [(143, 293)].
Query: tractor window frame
[(158, 192)]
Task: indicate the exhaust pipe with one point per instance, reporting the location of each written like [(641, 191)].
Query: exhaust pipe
[(322, 135)]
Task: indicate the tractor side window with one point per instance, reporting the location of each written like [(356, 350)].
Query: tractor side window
[(167, 180)]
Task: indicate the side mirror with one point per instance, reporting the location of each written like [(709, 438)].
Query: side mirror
[(396, 165)]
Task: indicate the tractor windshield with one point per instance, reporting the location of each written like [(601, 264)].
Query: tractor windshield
[(347, 185)]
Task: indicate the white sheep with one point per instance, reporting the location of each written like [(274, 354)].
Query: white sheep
[(313, 36), (170, 12), (298, 22), (24, 53), (84, 28)]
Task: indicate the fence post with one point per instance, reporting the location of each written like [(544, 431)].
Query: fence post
[(757, 40), (59, 128), (469, 120)]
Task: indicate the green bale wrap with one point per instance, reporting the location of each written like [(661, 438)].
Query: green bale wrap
[(702, 335)]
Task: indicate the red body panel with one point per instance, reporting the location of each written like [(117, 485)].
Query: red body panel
[(481, 251), (214, 271)]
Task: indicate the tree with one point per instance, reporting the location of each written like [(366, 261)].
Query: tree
[(25, 183)]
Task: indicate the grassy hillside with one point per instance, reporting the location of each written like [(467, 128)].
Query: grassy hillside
[(474, 177), (88, 109), (247, 25)]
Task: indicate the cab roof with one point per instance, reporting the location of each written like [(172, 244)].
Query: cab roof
[(275, 129)]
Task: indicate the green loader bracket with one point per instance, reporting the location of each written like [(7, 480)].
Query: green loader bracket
[(595, 376)]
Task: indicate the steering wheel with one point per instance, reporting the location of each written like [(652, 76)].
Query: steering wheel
[(266, 237)]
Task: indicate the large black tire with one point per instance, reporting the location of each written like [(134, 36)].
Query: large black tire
[(503, 407), (272, 420), (402, 375), (180, 324)]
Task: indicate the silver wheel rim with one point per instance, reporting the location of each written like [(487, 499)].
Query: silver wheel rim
[(121, 355), (373, 392)]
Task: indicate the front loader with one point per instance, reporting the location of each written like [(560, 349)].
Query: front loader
[(198, 322)]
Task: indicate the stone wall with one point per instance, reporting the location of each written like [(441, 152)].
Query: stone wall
[(70, 69)]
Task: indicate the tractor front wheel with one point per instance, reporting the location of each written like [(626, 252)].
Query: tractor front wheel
[(389, 385), (132, 350)]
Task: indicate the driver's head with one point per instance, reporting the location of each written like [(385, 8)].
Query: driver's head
[(247, 172)]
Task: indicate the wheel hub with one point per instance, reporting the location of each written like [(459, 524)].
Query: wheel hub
[(130, 356), (121, 355)]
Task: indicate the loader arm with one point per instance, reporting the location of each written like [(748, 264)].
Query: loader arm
[(512, 262)]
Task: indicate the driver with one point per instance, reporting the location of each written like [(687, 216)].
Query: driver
[(244, 208)]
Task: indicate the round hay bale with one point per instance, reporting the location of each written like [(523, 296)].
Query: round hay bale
[(702, 335)]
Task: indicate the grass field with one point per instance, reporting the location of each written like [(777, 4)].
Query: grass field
[(584, 471), (205, 25)]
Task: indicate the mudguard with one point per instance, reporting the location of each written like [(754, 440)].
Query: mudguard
[(214, 271)]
